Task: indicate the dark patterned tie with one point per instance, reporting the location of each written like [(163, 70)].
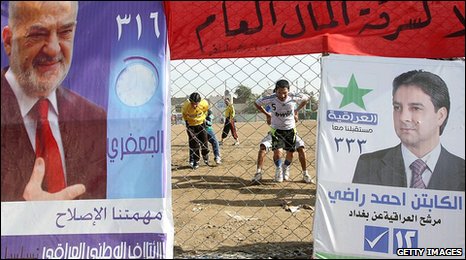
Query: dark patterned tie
[(47, 148), (417, 168)]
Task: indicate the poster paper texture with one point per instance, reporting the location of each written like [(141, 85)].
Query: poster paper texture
[(356, 117)]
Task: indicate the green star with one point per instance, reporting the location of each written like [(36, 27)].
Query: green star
[(352, 94)]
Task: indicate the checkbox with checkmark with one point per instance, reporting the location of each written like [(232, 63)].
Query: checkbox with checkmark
[(376, 239)]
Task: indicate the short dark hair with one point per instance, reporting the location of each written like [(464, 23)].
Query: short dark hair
[(283, 83), (195, 97), (431, 84)]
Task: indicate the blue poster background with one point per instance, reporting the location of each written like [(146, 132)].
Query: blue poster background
[(137, 101)]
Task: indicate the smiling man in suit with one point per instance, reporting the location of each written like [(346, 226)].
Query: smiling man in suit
[(53, 140), (421, 105)]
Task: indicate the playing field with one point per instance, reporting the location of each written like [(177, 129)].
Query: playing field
[(219, 208)]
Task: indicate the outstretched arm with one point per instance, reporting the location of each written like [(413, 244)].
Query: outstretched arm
[(301, 105)]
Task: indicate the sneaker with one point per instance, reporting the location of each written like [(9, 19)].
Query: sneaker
[(286, 172), (195, 165), (236, 143), (278, 174), (257, 177), (306, 177), (218, 160), (191, 163)]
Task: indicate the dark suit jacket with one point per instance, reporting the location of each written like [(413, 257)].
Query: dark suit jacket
[(386, 167), (83, 128)]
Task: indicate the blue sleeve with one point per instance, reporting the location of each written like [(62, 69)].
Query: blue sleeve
[(208, 120)]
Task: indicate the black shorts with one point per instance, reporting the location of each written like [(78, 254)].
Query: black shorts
[(284, 139)]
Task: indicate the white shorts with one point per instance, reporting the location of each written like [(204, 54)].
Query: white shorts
[(267, 142)]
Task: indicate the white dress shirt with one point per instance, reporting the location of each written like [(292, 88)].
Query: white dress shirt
[(26, 104)]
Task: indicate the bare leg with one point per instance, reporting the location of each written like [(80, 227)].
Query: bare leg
[(261, 157), (277, 154), (260, 163), (302, 158), (289, 156)]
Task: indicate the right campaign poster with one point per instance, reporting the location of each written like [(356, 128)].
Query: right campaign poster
[(390, 158)]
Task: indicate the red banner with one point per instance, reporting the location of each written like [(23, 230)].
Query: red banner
[(225, 29)]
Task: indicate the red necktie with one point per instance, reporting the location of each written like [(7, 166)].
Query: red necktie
[(47, 148)]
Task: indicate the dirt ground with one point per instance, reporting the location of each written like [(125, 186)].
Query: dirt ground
[(217, 208)]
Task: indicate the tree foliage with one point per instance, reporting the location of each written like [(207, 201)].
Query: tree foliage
[(245, 96)]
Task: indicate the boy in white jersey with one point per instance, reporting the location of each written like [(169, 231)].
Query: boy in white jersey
[(283, 106)]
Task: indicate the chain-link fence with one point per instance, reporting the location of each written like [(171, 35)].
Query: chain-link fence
[(217, 208)]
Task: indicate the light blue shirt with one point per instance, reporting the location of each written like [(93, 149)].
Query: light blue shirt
[(430, 159)]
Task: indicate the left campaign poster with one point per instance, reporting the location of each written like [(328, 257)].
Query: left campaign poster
[(102, 67)]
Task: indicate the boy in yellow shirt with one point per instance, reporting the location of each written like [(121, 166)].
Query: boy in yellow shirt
[(194, 113)]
